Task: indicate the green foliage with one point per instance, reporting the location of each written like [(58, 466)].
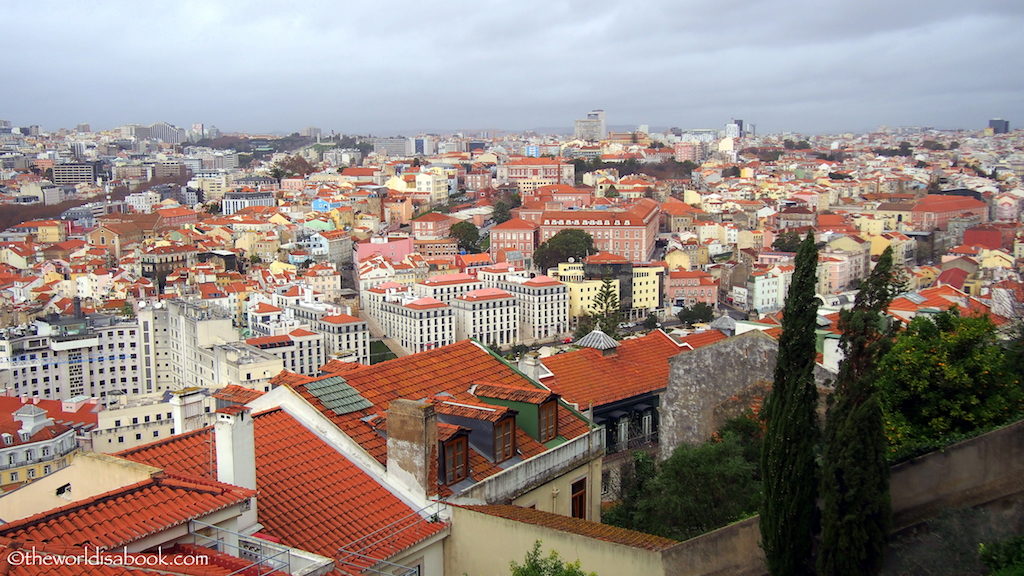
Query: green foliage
[(856, 512), (789, 469), (651, 322), (551, 565), (291, 167), (568, 243), (467, 235), (946, 375), (585, 325), (605, 308), (1005, 557), (731, 172), (611, 192), (697, 489), (502, 212), (787, 241), (699, 312), (127, 310)]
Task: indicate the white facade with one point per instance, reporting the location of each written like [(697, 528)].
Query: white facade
[(489, 315), (418, 325)]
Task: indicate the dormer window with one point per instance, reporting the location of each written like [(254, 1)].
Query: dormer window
[(549, 421), (456, 459), (504, 439)]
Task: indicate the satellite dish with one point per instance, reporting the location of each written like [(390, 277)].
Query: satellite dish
[(571, 259), (142, 304)]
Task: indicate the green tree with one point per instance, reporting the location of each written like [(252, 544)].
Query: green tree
[(789, 470), (787, 241), (584, 325), (467, 235), (568, 243), (946, 375), (731, 172), (856, 512), (651, 322), (502, 212), (551, 565), (605, 308), (699, 312), (611, 192), (697, 489)]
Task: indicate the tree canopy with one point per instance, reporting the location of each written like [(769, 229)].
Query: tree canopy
[(699, 312), (790, 479), (697, 489), (568, 243), (856, 510), (467, 235), (605, 309), (551, 565), (946, 374), (787, 241)]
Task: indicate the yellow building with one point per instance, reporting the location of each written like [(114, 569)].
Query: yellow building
[(647, 287), (33, 446)]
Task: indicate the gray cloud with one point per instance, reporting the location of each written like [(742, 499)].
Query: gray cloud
[(787, 65)]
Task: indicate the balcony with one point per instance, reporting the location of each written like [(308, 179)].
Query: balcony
[(517, 480)]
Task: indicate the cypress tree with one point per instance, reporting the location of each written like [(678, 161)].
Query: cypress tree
[(856, 511), (789, 470)]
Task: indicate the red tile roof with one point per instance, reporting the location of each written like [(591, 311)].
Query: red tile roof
[(698, 339), (310, 495), (236, 394), (128, 514), (340, 319), (416, 377), (578, 526), (587, 377), (171, 562)]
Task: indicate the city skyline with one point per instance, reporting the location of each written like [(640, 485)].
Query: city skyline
[(788, 67)]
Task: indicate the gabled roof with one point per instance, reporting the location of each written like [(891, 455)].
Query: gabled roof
[(119, 517), (588, 377), (310, 495), (451, 370)]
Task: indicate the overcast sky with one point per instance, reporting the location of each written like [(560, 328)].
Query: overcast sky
[(402, 66)]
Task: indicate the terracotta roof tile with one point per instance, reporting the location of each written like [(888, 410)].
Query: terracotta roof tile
[(578, 526), (311, 496), (588, 377), (128, 514)]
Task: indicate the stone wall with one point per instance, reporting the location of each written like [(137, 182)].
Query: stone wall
[(704, 387)]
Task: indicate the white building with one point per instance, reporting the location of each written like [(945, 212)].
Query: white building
[(417, 324), (347, 337), (301, 351), (447, 287), (542, 301), (142, 202), (489, 315), (61, 357)]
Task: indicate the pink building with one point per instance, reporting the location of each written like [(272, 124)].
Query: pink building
[(514, 235), (432, 226), (934, 211), (394, 248), (629, 231), (686, 288)]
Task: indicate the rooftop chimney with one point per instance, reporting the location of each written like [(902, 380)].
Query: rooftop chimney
[(187, 410), (529, 364), (236, 446), (412, 446)]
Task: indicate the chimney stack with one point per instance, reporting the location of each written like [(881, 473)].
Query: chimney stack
[(529, 364), (236, 446), (187, 410), (412, 446), (235, 440)]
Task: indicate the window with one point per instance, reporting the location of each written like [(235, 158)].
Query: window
[(579, 499), (14, 476), (504, 439), (548, 420), (456, 460)]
